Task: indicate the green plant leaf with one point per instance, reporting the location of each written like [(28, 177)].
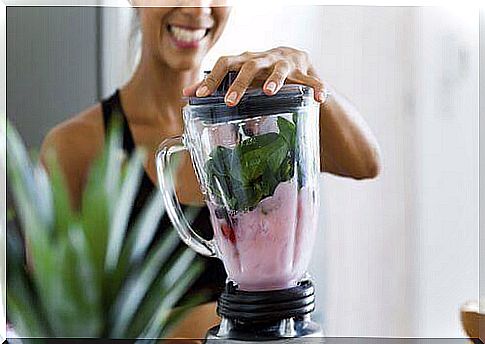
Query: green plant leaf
[(44, 252), (67, 292), (122, 211), (60, 197), (23, 310), (140, 282), (161, 316), (137, 285), (168, 278), (21, 314), (145, 227), (36, 232), (114, 156), (18, 161), (95, 218), (46, 204), (139, 238), (84, 318)]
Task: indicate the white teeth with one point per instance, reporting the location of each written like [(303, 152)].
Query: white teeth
[(186, 35)]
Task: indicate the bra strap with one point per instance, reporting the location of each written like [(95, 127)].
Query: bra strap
[(112, 109)]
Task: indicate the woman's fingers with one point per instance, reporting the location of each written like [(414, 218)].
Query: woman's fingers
[(244, 78), (313, 82), (190, 91), (277, 77), (212, 80), (281, 64)]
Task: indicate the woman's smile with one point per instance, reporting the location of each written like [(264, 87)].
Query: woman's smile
[(184, 37)]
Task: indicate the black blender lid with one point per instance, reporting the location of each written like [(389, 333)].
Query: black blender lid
[(253, 103)]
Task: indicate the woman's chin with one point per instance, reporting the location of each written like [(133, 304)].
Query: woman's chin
[(184, 64), (180, 60)]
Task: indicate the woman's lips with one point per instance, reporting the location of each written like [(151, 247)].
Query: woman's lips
[(184, 37)]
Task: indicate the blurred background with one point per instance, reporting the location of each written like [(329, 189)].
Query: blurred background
[(396, 256)]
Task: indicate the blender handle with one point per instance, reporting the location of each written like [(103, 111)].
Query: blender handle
[(164, 154)]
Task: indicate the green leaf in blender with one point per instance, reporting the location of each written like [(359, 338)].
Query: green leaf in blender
[(254, 154), (241, 177), (287, 130)]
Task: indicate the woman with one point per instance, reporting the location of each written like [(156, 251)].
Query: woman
[(174, 42)]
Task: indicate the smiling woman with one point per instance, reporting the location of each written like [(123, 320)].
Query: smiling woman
[(174, 42), (180, 39)]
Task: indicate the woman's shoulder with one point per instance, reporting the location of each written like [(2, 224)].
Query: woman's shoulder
[(75, 144), (81, 134)]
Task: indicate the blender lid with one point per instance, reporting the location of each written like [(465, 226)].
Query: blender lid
[(253, 103)]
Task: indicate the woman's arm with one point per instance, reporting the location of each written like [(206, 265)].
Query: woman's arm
[(196, 323), (347, 146)]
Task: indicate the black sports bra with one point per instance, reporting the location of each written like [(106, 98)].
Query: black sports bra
[(213, 278)]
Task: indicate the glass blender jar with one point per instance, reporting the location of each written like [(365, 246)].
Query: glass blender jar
[(257, 164)]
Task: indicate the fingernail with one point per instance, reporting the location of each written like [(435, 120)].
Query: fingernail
[(321, 97), (202, 91), (271, 86), (231, 98)]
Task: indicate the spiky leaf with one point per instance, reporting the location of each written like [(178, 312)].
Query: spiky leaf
[(84, 262)]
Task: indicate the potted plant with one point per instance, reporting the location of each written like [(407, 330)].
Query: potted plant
[(88, 276)]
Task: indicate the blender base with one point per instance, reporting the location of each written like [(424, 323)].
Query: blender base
[(277, 316), (287, 330)]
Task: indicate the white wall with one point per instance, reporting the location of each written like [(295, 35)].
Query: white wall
[(396, 256), (446, 232), (482, 158)]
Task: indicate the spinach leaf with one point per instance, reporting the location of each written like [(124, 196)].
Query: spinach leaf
[(287, 130), (241, 177)]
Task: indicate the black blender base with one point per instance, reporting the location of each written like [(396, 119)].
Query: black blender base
[(301, 331), (278, 316)]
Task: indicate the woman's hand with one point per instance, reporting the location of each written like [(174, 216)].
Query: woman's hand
[(270, 68), (350, 148)]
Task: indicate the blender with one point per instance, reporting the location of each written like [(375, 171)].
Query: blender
[(257, 164)]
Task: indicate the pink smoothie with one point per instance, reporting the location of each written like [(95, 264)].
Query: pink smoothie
[(269, 247)]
